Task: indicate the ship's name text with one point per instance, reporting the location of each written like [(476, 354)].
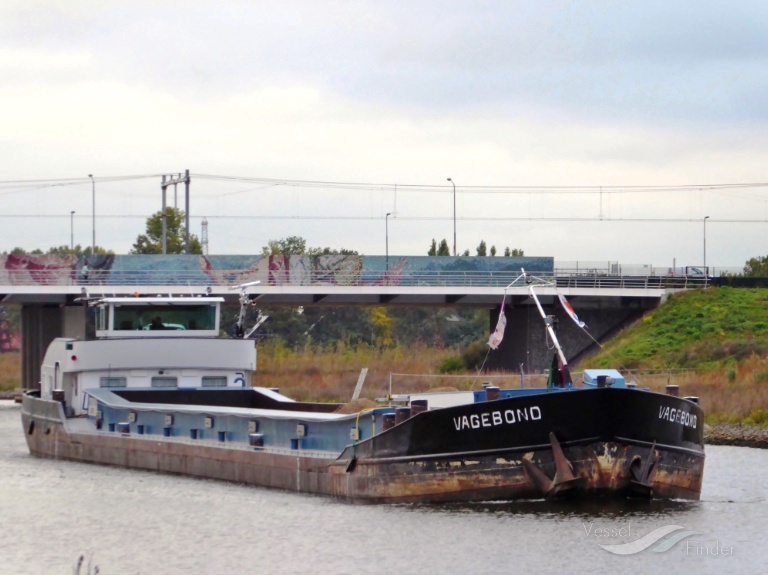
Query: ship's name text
[(493, 418), (677, 416)]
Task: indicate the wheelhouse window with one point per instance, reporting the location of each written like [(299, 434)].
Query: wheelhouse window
[(112, 382), (214, 381), (166, 317), (164, 381)]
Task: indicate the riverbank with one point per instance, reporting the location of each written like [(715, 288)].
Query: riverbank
[(736, 434)]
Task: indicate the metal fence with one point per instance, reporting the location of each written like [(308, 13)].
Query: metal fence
[(50, 278), (46, 271)]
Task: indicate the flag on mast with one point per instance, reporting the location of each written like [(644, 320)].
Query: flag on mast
[(569, 310), (498, 334)]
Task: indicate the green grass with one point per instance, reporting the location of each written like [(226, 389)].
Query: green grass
[(702, 329), (10, 371), (714, 344)]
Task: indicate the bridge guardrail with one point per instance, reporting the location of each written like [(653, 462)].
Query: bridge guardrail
[(337, 278)]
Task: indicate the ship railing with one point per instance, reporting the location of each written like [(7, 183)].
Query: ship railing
[(408, 383)]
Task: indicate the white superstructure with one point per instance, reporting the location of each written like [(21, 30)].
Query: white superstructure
[(145, 342)]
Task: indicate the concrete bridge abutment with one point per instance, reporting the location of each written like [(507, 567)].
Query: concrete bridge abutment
[(526, 341), (40, 325)]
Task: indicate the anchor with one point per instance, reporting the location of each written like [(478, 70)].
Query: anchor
[(640, 473), (564, 481)]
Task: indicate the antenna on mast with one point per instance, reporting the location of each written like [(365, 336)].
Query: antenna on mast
[(245, 300)]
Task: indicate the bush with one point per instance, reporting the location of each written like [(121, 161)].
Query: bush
[(474, 355), (451, 365), (757, 417), (761, 376)]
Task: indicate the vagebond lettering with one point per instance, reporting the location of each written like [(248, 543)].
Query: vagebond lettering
[(494, 418)]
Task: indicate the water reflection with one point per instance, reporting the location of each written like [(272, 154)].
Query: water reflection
[(131, 521), (597, 508)]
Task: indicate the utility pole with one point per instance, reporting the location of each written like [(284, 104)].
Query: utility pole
[(454, 215), (204, 236), (172, 181), (386, 239), (93, 213)]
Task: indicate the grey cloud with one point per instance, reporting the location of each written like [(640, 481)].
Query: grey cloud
[(649, 61)]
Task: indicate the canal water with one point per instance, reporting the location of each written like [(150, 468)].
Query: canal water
[(129, 522)]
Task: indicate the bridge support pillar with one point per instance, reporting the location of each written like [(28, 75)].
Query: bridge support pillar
[(525, 339), (40, 324)]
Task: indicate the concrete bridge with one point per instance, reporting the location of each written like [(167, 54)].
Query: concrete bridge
[(49, 287)]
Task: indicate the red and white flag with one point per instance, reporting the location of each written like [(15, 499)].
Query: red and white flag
[(498, 334), (569, 310)]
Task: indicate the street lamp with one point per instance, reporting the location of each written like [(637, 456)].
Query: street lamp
[(705, 245), (72, 231), (386, 237), (454, 215), (93, 209)]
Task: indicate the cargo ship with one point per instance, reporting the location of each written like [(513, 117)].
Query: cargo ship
[(159, 389)]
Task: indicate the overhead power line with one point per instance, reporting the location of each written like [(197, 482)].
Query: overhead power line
[(414, 218), (19, 185), (589, 189)]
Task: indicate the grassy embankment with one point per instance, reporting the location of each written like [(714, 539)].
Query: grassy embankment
[(712, 343), (10, 371)]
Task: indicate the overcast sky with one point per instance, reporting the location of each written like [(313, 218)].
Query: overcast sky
[(587, 131)]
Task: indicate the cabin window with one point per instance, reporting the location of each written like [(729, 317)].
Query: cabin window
[(112, 381), (164, 381), (214, 381), (178, 317)]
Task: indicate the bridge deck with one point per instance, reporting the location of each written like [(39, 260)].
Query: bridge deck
[(308, 280)]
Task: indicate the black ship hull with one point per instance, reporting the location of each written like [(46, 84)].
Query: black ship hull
[(576, 443), (583, 443)]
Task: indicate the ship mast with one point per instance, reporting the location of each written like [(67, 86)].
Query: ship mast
[(548, 323), (245, 300)]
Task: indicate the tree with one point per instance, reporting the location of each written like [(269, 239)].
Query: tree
[(297, 246), (515, 252), (331, 252), (442, 250), (481, 249), (79, 251), (493, 251), (152, 241), (382, 327), (290, 246), (65, 250), (756, 267), (62, 251)]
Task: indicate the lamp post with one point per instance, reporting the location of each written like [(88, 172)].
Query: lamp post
[(454, 215), (705, 245), (386, 238), (72, 231), (93, 210)]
